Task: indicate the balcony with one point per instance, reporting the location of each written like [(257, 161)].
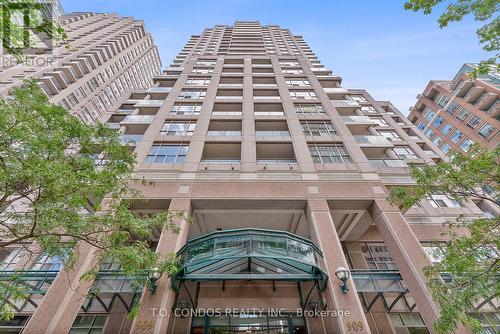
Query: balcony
[(131, 140), (138, 119), (250, 254), (148, 103), (373, 140), (358, 120), (345, 104), (159, 90), (388, 163)]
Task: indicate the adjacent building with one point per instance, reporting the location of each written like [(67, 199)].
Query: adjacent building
[(285, 174), (462, 112), (104, 57)]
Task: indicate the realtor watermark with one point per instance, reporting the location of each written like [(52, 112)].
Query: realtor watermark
[(27, 33), (248, 312)]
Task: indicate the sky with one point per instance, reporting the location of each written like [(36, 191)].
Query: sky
[(372, 44)]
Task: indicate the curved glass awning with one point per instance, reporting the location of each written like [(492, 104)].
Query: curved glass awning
[(250, 254)]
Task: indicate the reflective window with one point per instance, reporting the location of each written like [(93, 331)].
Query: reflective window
[(174, 128), (329, 154), (318, 128), (167, 153)]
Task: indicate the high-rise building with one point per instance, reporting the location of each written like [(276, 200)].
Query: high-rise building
[(285, 174), (104, 57), (462, 112)]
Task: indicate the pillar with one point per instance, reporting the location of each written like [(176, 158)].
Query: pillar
[(409, 256), (61, 304), (324, 235), (155, 312)]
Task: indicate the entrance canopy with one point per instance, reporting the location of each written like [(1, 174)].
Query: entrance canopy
[(250, 254)]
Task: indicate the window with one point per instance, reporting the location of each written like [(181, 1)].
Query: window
[(174, 128), (289, 63), (420, 126), (437, 121), (357, 98), (88, 324), (167, 153), (202, 70), (474, 122), (197, 82), (379, 121), (443, 101), (377, 256), (307, 109), (404, 152), (192, 94), (445, 148), (368, 109), (46, 262), (437, 140), (329, 154), (297, 83), (429, 114), (462, 114), (318, 128), (292, 71), (390, 135), (410, 323), (486, 130), (452, 107), (443, 201), (185, 109), (446, 129), (456, 136), (9, 257), (303, 94), (435, 253), (428, 132), (466, 144)]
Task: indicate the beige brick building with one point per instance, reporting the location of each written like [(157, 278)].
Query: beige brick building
[(286, 175), (462, 112)]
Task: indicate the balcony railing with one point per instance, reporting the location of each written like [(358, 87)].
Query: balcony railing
[(212, 133), (358, 119), (250, 254), (276, 161), (139, 119), (372, 140), (387, 163), (272, 133)]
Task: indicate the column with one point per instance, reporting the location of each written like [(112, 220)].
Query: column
[(324, 235), (155, 311), (409, 256), (60, 306)]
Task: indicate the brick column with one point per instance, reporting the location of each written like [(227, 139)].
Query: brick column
[(60, 306), (149, 320), (409, 256), (324, 235)]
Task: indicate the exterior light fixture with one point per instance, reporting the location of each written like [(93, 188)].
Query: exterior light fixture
[(154, 275), (343, 275)]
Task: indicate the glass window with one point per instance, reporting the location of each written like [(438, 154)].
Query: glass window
[(192, 94), (88, 324), (185, 109), (368, 109), (357, 98), (456, 136), (404, 152), (462, 114), (443, 101), (437, 121), (446, 129), (429, 114), (486, 130), (10, 257), (197, 82), (46, 262), (297, 83), (307, 109), (329, 154), (452, 107), (318, 128), (466, 144), (377, 256), (390, 135), (303, 94), (420, 126), (474, 122), (443, 201), (167, 153), (437, 140), (445, 148), (174, 128), (410, 323), (428, 132)]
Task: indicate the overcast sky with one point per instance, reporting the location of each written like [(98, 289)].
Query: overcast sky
[(375, 45)]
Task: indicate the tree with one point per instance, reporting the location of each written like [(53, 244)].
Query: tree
[(468, 270), (483, 10), (56, 174), (15, 37)]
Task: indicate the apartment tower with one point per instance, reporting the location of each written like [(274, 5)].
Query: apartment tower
[(104, 57), (285, 174), (462, 112)]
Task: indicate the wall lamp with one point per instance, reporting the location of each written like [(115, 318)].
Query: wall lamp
[(154, 275), (343, 275)]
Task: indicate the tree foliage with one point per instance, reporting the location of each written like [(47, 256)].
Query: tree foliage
[(485, 11), (468, 270), (15, 37), (61, 185)]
